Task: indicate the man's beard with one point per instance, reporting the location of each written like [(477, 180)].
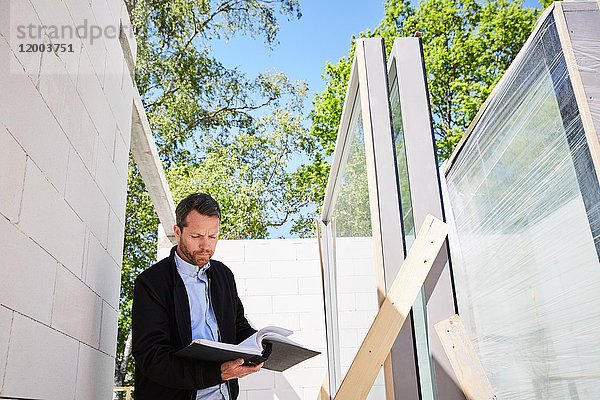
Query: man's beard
[(199, 260)]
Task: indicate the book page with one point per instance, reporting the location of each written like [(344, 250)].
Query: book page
[(251, 342), (269, 332), (250, 349)]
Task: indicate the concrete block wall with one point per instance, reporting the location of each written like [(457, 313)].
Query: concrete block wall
[(357, 294), (65, 124), (279, 282), (357, 300)]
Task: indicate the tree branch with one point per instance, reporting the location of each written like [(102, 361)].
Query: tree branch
[(214, 114)]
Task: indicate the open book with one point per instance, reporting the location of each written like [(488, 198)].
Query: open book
[(270, 345)]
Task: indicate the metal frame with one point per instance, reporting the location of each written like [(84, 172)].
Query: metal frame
[(407, 66), (368, 79), (581, 65), (369, 82)]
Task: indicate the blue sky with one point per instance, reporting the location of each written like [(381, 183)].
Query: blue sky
[(322, 34)]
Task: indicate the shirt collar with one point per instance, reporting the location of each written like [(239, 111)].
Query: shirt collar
[(187, 269)]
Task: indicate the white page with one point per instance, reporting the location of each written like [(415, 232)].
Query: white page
[(270, 332)]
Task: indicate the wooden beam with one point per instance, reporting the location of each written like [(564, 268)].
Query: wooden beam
[(465, 363), (394, 311), (579, 90), (324, 391)]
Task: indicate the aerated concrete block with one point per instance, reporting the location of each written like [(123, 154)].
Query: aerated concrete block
[(6, 318), (94, 374), (60, 232), (108, 331), (77, 310), (86, 198), (41, 137), (12, 175), (29, 273), (42, 362), (102, 274)]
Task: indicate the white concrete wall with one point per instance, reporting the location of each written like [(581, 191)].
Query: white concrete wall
[(65, 123), (357, 301), (279, 282)]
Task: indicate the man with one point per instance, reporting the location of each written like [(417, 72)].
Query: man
[(183, 297)]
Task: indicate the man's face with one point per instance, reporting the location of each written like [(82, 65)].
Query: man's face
[(198, 239)]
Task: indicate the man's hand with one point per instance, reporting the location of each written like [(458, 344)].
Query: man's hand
[(235, 369)]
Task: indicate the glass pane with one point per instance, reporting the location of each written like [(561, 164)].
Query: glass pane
[(401, 165), (355, 271), (525, 198), (424, 361)]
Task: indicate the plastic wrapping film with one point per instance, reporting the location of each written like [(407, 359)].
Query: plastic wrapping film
[(524, 198)]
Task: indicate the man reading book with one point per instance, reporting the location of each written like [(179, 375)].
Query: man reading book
[(183, 297)]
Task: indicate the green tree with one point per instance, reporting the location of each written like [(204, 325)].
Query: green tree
[(352, 210), (467, 45), (206, 120), (248, 176)]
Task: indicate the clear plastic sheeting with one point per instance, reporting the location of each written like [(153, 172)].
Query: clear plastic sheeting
[(524, 199)]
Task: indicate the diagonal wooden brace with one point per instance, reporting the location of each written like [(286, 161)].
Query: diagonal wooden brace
[(465, 363), (394, 311)]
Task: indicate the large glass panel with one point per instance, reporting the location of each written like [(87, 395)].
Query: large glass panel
[(355, 272), (424, 361), (525, 200)]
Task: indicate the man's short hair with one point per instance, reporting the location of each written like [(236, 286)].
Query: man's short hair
[(201, 202)]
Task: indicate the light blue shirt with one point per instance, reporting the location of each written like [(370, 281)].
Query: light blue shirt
[(204, 323)]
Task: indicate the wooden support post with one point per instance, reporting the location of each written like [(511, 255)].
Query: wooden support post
[(324, 391), (465, 363), (393, 312)]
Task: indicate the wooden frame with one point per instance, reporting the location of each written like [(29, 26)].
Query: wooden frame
[(126, 389), (557, 9), (583, 99), (450, 161)]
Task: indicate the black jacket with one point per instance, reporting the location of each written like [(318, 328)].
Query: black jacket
[(161, 326)]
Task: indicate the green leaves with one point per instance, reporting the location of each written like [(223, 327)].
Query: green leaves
[(248, 175), (467, 46), (218, 131)]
